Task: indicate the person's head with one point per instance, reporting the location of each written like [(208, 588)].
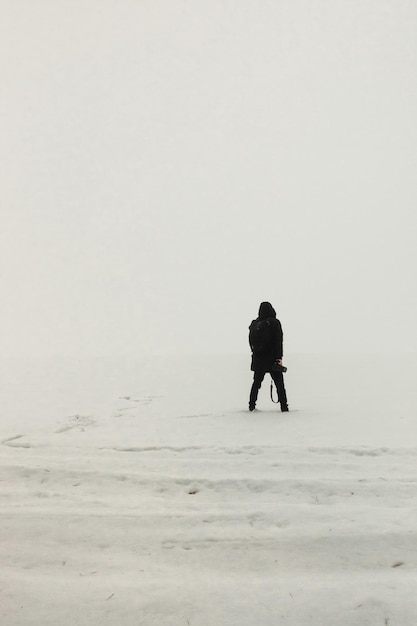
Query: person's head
[(266, 310)]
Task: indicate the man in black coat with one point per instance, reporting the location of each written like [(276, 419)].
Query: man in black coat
[(265, 340)]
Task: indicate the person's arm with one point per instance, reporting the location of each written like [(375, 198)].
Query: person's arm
[(278, 340)]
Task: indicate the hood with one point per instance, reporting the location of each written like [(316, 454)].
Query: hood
[(266, 310)]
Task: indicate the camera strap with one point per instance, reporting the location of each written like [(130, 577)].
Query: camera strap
[(272, 393)]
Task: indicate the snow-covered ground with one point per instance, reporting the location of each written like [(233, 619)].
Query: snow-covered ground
[(143, 493)]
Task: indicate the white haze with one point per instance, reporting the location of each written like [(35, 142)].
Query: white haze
[(167, 165)]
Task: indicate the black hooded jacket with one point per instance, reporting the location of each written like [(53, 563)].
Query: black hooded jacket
[(266, 360)]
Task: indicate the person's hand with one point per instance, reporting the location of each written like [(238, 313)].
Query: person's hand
[(279, 361)]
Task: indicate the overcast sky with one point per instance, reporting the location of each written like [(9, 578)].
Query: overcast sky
[(166, 165)]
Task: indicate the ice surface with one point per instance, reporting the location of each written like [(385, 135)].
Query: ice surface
[(143, 493)]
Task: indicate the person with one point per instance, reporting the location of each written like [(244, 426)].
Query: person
[(265, 340)]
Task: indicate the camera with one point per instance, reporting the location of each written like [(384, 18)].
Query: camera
[(278, 368)]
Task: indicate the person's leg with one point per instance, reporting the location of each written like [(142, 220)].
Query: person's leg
[(278, 379), (257, 382)]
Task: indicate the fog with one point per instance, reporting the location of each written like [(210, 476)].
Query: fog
[(167, 165)]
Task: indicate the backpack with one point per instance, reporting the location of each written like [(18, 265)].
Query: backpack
[(260, 336)]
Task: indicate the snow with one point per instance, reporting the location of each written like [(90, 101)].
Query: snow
[(142, 492)]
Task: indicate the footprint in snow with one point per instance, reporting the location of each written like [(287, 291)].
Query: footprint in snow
[(81, 422)]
